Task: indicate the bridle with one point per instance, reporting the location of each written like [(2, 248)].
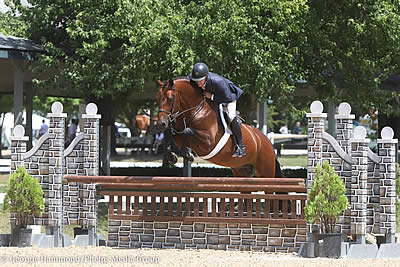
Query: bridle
[(172, 116)]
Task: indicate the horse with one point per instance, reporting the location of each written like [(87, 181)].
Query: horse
[(191, 116), (142, 123)]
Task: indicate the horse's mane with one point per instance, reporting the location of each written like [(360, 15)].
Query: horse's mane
[(186, 78), (194, 87)]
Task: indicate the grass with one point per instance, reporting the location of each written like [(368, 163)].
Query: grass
[(102, 223), (397, 216), (4, 179), (293, 161), (3, 182), (5, 227), (144, 157)]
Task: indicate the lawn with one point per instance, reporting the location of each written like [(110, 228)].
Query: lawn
[(3, 182), (290, 161), (4, 221), (4, 179), (102, 225), (300, 160)]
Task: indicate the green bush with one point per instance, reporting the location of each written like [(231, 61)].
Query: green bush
[(326, 199), (23, 197)]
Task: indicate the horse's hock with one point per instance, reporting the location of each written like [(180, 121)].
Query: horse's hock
[(201, 212)]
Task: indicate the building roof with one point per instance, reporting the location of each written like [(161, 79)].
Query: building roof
[(12, 43)]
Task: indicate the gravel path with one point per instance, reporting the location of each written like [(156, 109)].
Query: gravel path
[(105, 256)]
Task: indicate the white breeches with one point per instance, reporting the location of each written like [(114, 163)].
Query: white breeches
[(230, 109)]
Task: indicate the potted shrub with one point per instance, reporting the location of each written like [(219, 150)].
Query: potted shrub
[(24, 198), (326, 202)]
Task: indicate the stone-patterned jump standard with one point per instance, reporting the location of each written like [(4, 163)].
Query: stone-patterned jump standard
[(369, 179)]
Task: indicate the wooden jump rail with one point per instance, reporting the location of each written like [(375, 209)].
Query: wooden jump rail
[(268, 185), (192, 199)]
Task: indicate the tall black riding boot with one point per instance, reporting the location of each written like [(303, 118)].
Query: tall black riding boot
[(236, 126)]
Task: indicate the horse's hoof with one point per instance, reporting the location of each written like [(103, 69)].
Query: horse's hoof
[(189, 156), (172, 158)]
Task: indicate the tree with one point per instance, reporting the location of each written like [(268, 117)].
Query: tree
[(326, 199), (42, 105), (11, 25), (343, 49), (110, 48), (253, 43), (24, 196), (351, 47)]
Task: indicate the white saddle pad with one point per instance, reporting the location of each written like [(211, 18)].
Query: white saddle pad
[(221, 143)]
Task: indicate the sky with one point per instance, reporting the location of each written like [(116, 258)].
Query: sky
[(3, 7)]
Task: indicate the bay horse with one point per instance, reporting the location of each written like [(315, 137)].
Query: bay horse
[(142, 123), (183, 107)]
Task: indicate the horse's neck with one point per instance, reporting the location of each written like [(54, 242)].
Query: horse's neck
[(203, 116), (189, 96)]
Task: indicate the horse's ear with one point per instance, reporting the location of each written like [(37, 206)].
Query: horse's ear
[(160, 82), (171, 82)]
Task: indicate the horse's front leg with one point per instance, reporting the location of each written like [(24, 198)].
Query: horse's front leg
[(188, 137), (204, 137), (187, 153), (181, 142)]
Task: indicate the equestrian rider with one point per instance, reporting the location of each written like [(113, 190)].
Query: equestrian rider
[(221, 91)]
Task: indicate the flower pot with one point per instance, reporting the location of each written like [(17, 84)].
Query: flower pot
[(328, 245), (80, 231), (21, 237)]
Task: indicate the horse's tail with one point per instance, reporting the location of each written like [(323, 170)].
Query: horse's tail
[(278, 171)]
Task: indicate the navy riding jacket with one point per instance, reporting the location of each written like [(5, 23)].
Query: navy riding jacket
[(224, 90)]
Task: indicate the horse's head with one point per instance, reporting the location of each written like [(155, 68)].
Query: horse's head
[(168, 102)]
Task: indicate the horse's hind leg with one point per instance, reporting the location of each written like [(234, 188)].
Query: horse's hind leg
[(266, 165), (244, 171)]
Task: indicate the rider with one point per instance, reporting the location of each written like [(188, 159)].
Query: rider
[(221, 91)]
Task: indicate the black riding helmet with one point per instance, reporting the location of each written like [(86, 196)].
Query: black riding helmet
[(199, 71)]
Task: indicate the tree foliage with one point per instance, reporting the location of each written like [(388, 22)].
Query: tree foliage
[(351, 47), (112, 47), (343, 49), (326, 199), (42, 105), (11, 25), (24, 196)]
